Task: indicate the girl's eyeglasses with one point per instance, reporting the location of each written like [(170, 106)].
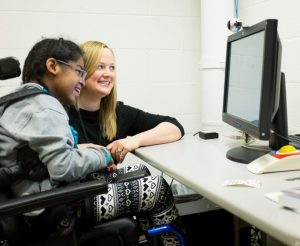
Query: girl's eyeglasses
[(82, 73)]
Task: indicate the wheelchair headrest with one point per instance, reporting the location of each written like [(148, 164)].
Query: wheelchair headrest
[(9, 68)]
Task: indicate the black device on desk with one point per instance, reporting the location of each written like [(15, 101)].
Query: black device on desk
[(207, 135), (254, 90)]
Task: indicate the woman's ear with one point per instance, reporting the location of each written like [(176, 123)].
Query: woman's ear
[(52, 66)]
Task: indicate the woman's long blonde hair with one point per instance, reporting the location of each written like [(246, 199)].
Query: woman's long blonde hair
[(92, 51)]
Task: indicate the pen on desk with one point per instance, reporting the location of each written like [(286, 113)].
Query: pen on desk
[(292, 179)]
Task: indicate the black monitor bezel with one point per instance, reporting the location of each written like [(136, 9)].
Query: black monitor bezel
[(269, 75)]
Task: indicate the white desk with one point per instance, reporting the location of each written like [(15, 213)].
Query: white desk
[(202, 165)]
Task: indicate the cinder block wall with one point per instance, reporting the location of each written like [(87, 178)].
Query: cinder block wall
[(156, 42)]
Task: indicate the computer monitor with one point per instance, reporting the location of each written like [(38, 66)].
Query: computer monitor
[(254, 90)]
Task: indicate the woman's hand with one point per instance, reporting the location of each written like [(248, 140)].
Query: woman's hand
[(121, 147), (111, 167)]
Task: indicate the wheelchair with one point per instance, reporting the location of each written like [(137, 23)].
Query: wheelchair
[(118, 232)]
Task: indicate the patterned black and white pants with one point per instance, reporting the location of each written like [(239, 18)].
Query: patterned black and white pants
[(150, 195), (149, 198)]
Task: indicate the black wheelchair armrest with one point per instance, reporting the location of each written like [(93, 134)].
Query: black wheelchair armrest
[(126, 177), (57, 196)]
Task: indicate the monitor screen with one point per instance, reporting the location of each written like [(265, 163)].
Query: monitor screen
[(246, 63), (254, 90)]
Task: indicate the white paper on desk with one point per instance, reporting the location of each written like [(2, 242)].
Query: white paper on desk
[(273, 196), (240, 182)]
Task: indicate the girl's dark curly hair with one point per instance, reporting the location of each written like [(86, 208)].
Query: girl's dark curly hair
[(35, 64)]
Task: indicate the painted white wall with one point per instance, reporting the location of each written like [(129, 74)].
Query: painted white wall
[(156, 42), (287, 13), (213, 51), (170, 53), (214, 35)]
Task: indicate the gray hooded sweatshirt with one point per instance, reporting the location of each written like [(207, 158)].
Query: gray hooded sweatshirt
[(42, 122)]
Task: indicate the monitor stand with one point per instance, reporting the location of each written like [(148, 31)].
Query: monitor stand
[(278, 137), (246, 154)]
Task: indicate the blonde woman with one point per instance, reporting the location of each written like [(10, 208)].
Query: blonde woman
[(100, 119)]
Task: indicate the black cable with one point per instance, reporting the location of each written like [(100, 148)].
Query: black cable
[(282, 137), (171, 182)]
